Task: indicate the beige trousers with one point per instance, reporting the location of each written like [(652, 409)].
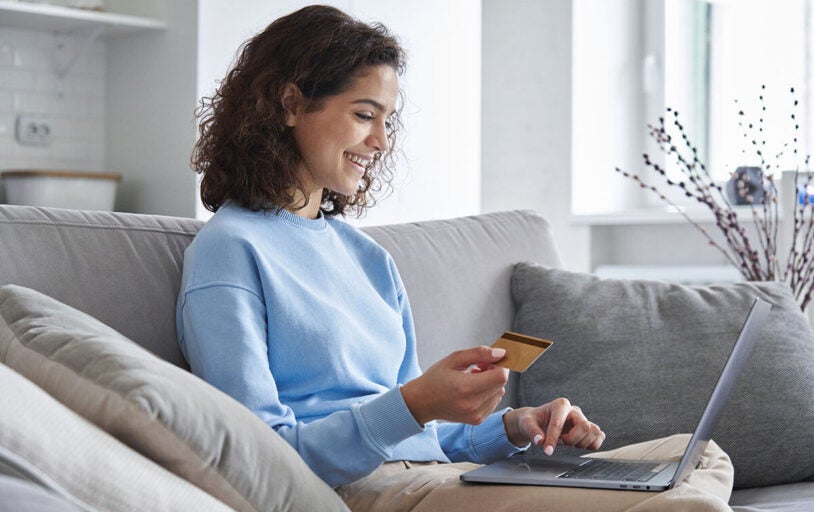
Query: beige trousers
[(434, 487)]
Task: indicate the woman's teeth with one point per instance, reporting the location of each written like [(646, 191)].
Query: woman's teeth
[(360, 160)]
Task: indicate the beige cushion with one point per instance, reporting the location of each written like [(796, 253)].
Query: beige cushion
[(160, 410), (44, 442)]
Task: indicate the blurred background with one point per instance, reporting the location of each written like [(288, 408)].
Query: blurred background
[(509, 104)]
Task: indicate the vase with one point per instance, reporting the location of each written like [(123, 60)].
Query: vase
[(745, 186)]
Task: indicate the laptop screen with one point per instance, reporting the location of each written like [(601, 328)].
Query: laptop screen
[(726, 382)]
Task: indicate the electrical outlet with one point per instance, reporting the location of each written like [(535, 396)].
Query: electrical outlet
[(33, 130)]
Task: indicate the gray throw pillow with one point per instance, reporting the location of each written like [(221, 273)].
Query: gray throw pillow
[(165, 413), (641, 358)]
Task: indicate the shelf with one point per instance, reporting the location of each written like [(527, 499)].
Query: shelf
[(65, 19), (787, 195), (645, 216)]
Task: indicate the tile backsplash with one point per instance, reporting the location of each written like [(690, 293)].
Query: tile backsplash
[(73, 105)]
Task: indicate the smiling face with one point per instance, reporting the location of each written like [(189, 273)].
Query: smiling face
[(339, 141)]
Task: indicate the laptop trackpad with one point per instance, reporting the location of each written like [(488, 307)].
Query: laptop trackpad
[(550, 465)]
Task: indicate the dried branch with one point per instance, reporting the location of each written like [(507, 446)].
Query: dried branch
[(756, 263)]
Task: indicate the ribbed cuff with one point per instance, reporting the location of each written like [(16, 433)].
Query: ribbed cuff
[(386, 420), (489, 439)]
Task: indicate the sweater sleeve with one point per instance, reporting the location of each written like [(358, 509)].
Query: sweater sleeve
[(222, 331), (481, 444)]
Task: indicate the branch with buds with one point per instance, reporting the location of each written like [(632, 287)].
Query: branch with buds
[(758, 260)]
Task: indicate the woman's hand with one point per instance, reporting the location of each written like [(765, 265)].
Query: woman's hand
[(464, 387), (555, 422)]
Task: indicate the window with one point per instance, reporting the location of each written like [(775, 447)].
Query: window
[(720, 59), (633, 59)]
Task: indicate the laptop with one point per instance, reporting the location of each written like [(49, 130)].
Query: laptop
[(641, 475)]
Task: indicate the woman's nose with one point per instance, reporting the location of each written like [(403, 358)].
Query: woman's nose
[(377, 139)]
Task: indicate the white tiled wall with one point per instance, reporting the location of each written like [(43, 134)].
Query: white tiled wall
[(74, 105)]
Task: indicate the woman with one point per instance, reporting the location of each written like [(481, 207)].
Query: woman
[(303, 318)]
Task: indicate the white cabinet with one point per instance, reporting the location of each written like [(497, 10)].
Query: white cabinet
[(57, 18), (149, 85), (150, 67)]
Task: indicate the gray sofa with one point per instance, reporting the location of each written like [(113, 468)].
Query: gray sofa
[(123, 270)]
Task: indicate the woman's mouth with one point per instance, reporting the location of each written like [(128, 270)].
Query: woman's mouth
[(359, 160)]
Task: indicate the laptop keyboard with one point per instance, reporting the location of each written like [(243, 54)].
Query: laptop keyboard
[(596, 469)]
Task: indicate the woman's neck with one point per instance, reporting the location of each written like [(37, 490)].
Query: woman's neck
[(310, 210)]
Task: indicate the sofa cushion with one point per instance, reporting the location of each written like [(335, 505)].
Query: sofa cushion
[(45, 445), (641, 358), (797, 497), (160, 410), (21, 496)]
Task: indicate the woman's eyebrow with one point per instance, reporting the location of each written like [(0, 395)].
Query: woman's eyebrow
[(375, 104)]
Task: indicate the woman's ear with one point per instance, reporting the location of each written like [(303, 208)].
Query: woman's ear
[(291, 100)]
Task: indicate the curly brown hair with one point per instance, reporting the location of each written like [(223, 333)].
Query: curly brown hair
[(245, 151)]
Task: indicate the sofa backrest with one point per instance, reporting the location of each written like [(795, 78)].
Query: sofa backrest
[(125, 270), (457, 274)]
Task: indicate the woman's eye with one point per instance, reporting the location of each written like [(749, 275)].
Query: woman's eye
[(365, 117)]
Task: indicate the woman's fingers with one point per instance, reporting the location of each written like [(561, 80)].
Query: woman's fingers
[(463, 387)]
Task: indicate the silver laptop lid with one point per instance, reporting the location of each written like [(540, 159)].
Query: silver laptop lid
[(726, 381)]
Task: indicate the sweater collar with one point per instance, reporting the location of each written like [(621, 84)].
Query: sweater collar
[(317, 224)]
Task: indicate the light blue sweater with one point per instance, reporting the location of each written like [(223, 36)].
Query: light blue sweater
[(306, 322)]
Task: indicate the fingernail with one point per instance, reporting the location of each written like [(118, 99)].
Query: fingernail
[(498, 352), (537, 439), (549, 450)]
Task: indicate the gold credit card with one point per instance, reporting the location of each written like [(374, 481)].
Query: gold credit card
[(521, 350)]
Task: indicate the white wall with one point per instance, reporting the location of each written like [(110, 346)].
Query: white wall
[(609, 124), (440, 176), (150, 103), (527, 157)]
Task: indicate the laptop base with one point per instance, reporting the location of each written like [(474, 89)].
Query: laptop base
[(549, 471)]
